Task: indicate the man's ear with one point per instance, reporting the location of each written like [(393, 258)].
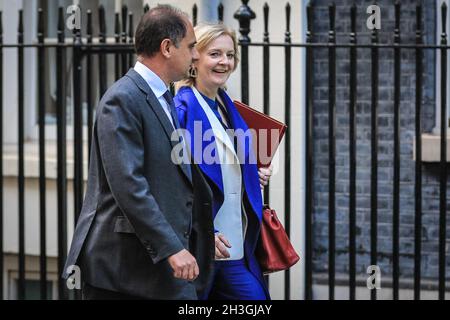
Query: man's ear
[(165, 48)]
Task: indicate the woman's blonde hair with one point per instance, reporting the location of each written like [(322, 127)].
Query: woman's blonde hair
[(205, 34)]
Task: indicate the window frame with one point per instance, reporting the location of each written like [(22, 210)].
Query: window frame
[(31, 106), (13, 278)]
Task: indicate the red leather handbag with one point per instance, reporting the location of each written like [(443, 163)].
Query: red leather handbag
[(274, 251)]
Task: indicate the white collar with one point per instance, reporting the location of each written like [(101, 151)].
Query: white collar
[(155, 83), (218, 129)]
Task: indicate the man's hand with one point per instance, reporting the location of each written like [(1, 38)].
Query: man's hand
[(184, 265), (221, 246)]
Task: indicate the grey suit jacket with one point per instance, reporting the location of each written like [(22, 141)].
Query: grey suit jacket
[(140, 207)]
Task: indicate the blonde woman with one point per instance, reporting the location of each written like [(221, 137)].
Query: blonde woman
[(201, 102)]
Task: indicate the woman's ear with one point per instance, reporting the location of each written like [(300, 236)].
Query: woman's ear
[(165, 47)]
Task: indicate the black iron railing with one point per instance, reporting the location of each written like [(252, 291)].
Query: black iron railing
[(375, 47)]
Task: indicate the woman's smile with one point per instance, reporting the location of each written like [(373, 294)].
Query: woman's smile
[(215, 65)]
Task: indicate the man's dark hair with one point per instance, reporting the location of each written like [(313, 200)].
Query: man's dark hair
[(159, 23)]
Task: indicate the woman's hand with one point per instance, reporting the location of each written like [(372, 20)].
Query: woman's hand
[(221, 246), (264, 175)]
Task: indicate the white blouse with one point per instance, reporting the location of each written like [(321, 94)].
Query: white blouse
[(230, 220)]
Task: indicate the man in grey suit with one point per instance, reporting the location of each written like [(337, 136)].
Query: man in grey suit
[(145, 229)]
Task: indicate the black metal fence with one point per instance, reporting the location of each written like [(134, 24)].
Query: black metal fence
[(90, 62), (375, 47)]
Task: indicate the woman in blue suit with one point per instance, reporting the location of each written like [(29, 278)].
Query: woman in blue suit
[(225, 156)]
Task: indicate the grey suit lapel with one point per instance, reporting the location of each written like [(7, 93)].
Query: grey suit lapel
[(154, 103), (159, 112)]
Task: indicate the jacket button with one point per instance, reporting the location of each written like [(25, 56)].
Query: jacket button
[(189, 204), (186, 235)]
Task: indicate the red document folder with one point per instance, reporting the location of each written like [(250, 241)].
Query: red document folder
[(269, 132)]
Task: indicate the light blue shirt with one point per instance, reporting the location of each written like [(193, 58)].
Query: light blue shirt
[(156, 84)]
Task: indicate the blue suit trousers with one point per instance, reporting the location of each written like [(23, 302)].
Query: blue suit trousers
[(234, 281)]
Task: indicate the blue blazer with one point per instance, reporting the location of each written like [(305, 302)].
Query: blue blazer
[(189, 111)]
